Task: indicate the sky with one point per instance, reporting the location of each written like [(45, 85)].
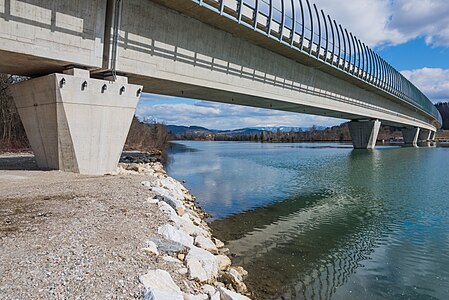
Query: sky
[(412, 35)]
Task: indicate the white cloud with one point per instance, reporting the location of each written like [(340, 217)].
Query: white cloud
[(388, 22), (225, 116), (433, 82)]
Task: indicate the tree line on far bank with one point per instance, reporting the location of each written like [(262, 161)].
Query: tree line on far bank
[(338, 133)]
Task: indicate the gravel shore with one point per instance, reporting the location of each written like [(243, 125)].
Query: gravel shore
[(69, 236)]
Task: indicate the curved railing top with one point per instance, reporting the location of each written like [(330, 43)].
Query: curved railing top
[(303, 27)]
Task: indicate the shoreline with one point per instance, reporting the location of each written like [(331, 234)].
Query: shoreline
[(204, 257), (134, 235)]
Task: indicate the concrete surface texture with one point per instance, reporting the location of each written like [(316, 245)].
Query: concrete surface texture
[(364, 133), (425, 135), (171, 47), (76, 124), (410, 136), (38, 37)]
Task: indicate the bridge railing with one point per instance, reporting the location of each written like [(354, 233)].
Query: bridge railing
[(301, 26)]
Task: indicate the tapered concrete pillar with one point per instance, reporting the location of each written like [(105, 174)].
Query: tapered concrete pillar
[(433, 135), (364, 133), (424, 135), (410, 136), (75, 123)]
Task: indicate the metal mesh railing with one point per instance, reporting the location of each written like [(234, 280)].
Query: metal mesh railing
[(300, 25)]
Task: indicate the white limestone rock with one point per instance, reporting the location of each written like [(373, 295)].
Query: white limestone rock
[(195, 297), (241, 271), (170, 259), (172, 184), (159, 285), (224, 262), (187, 225), (206, 244), (167, 209), (171, 233), (151, 248), (196, 270), (226, 294), (168, 196), (208, 289), (152, 201), (207, 262), (219, 284), (215, 296), (218, 243), (234, 277)]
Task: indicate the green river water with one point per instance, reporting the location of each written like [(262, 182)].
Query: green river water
[(324, 221)]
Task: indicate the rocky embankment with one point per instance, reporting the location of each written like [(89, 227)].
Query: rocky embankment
[(185, 241)]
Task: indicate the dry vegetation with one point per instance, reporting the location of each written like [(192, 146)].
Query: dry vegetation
[(145, 137), (12, 134)]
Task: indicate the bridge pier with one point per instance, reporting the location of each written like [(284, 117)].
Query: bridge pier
[(410, 136), (433, 135), (424, 135), (76, 123), (364, 133)]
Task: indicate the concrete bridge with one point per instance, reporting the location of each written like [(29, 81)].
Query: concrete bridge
[(89, 61)]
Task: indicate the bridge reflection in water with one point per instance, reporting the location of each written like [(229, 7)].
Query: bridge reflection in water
[(319, 239), (323, 221)]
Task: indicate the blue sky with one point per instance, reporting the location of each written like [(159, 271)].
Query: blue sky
[(413, 35)]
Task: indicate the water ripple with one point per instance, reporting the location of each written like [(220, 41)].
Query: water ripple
[(327, 222)]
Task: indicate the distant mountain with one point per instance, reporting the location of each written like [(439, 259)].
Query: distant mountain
[(242, 131), (288, 129), (175, 129)]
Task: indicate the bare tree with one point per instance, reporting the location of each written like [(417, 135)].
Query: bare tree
[(12, 133), (148, 137)]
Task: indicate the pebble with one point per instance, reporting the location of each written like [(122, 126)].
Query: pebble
[(224, 262), (151, 248)]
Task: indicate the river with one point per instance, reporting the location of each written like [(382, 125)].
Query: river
[(324, 221)]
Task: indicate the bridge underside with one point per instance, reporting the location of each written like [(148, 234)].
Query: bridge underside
[(183, 90), (194, 54)]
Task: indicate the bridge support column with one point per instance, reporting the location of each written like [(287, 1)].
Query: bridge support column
[(75, 123), (424, 135), (410, 136), (433, 135), (364, 133)]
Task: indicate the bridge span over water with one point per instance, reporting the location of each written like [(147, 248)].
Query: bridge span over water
[(90, 60)]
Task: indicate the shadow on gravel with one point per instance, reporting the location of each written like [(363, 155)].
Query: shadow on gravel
[(25, 163)]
